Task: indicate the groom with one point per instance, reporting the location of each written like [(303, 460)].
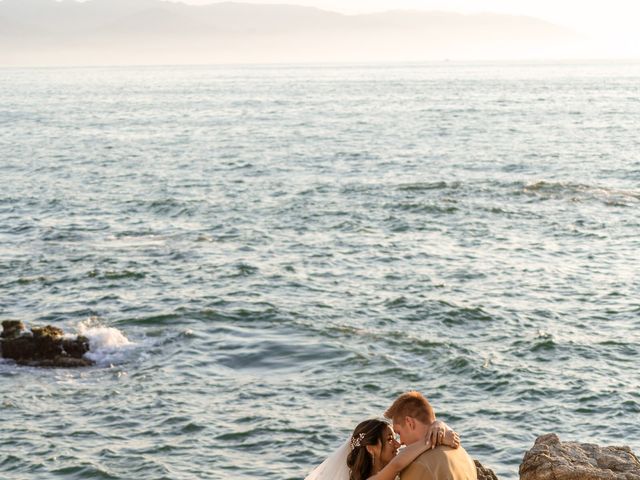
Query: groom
[(411, 415)]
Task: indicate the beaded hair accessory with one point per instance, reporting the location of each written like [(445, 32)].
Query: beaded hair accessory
[(356, 441)]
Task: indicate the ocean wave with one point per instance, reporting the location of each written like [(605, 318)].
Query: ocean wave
[(262, 353), (116, 275), (163, 207), (578, 192), (107, 345), (423, 207), (427, 186), (132, 239), (154, 320)]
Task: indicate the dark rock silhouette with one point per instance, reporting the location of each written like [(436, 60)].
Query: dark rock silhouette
[(551, 459), (42, 346), (11, 329)]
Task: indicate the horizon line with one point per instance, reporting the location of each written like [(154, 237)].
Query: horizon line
[(506, 62)]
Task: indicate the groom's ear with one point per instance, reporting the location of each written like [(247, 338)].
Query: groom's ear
[(410, 422)]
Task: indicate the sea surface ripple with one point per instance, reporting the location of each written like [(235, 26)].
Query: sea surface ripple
[(269, 254)]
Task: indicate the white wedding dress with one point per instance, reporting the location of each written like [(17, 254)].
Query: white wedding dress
[(334, 467)]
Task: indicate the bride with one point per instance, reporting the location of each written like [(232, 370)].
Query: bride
[(372, 452)]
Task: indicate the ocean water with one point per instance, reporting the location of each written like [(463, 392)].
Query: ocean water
[(263, 256)]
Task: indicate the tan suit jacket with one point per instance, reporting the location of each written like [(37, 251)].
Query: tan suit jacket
[(441, 463)]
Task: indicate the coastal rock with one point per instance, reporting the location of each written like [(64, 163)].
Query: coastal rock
[(42, 346), (551, 459), (12, 328), (484, 473)]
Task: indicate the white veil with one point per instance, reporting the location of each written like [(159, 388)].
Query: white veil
[(334, 467)]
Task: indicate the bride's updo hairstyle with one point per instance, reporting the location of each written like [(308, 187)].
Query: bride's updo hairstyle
[(360, 461)]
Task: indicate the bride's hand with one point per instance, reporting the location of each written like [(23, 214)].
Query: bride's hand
[(439, 433)]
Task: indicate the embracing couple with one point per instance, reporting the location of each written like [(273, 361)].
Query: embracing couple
[(432, 451)]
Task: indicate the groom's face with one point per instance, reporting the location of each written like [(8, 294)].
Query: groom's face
[(403, 428)]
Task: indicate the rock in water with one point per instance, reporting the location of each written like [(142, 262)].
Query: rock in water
[(12, 328), (484, 473), (42, 346), (551, 459)]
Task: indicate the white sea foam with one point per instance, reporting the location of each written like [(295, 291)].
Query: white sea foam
[(107, 345)]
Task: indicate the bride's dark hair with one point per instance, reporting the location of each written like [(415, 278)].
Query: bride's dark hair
[(360, 461)]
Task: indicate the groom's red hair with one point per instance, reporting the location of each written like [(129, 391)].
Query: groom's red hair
[(411, 404)]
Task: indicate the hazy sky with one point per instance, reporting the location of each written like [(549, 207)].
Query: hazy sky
[(609, 31), (613, 21)]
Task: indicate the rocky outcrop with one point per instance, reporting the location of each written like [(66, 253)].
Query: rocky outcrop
[(42, 346), (11, 329), (484, 473), (551, 459)]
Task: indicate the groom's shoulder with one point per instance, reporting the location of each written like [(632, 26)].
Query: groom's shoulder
[(442, 462), (443, 452)]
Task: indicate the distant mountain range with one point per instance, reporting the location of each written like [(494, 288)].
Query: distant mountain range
[(103, 32)]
